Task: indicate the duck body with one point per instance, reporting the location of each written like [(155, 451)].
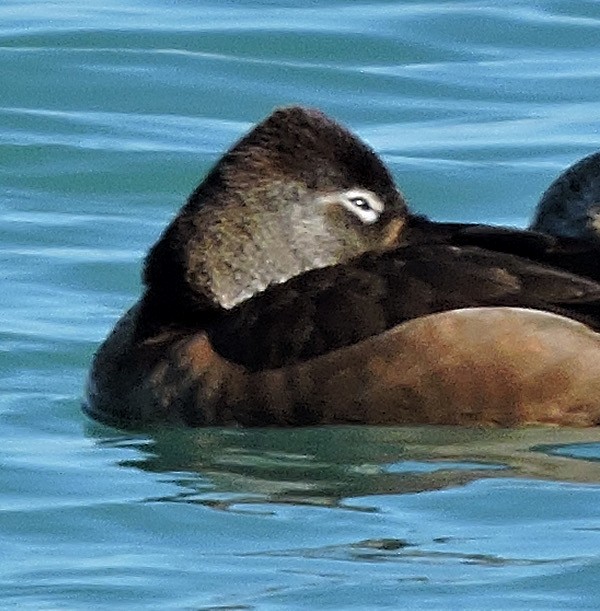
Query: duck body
[(473, 366), (330, 308), (295, 288)]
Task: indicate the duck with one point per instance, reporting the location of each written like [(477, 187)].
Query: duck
[(570, 206), (296, 288)]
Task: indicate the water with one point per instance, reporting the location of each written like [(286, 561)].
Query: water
[(110, 113)]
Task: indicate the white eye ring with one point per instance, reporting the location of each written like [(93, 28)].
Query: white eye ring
[(364, 204)]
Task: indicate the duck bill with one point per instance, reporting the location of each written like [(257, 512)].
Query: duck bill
[(391, 236)]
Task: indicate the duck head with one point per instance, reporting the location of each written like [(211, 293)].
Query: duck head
[(570, 207), (298, 192)]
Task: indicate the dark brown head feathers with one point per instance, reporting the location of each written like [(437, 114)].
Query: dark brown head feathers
[(304, 145)]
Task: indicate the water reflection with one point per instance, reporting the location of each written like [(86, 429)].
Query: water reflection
[(329, 465)]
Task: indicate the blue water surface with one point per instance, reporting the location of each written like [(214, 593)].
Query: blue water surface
[(110, 114)]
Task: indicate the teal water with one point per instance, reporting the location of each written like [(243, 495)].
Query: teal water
[(110, 113)]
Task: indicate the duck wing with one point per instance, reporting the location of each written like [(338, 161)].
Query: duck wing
[(326, 309), (579, 256)]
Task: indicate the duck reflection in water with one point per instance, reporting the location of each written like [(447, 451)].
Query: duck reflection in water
[(296, 288), (227, 468)]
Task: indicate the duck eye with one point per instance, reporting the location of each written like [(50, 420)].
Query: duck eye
[(361, 202)]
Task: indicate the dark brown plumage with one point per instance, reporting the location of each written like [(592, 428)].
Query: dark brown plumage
[(324, 310), (578, 256), (295, 288)]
